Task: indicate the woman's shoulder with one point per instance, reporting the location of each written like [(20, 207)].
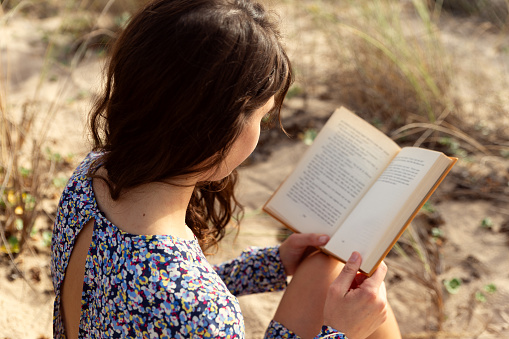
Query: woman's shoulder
[(82, 170), (79, 185), (75, 208)]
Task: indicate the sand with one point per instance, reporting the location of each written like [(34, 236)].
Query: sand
[(466, 251)]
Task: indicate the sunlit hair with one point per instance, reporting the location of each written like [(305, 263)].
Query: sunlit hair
[(182, 80)]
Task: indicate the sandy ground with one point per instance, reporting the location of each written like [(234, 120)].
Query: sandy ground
[(476, 255)]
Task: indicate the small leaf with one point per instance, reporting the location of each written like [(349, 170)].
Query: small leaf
[(449, 142), (29, 201), (452, 286), (479, 296), (19, 224), (13, 240), (490, 288), (436, 232), (309, 136), (59, 182), (428, 207), (46, 238), (487, 223), (294, 91), (13, 244), (25, 172)]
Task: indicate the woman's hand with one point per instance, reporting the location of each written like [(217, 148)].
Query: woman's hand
[(297, 247), (356, 305)]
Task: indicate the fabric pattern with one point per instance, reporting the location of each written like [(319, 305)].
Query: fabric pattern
[(141, 286), (277, 330)]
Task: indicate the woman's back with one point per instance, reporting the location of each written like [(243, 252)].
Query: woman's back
[(154, 286)]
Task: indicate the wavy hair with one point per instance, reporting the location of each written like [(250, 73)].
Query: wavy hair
[(182, 79)]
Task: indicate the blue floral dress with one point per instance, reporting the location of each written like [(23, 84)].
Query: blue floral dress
[(155, 286)]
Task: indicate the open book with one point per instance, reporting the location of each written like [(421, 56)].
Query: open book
[(359, 187)]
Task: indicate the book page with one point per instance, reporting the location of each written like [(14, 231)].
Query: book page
[(343, 162), (383, 211)]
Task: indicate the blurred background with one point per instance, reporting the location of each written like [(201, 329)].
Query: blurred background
[(427, 73)]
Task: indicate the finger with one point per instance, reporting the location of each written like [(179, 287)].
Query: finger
[(376, 280), (349, 272), (383, 292), (303, 240)]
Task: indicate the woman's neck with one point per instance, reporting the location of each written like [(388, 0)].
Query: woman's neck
[(149, 209)]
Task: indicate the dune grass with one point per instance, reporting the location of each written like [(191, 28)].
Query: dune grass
[(391, 70), (386, 61), (27, 165), (25, 170)]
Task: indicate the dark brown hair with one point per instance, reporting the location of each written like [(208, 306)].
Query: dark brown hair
[(183, 78)]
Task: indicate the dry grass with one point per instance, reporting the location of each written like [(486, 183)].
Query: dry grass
[(392, 70), (27, 166), (20, 191), (387, 62)]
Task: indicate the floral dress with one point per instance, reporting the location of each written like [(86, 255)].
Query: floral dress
[(155, 286)]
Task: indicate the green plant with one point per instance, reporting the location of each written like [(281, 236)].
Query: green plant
[(295, 90), (437, 233), (481, 297), (490, 288), (487, 223), (308, 136), (428, 207), (454, 147), (453, 285), (59, 182), (46, 238)]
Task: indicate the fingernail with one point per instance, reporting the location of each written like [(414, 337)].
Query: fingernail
[(354, 257), (323, 239)]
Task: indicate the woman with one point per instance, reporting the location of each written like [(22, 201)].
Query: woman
[(187, 87)]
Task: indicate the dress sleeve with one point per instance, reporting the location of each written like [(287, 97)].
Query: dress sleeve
[(276, 330), (256, 270), (329, 332)]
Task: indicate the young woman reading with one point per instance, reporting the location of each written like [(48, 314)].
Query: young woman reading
[(187, 86)]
